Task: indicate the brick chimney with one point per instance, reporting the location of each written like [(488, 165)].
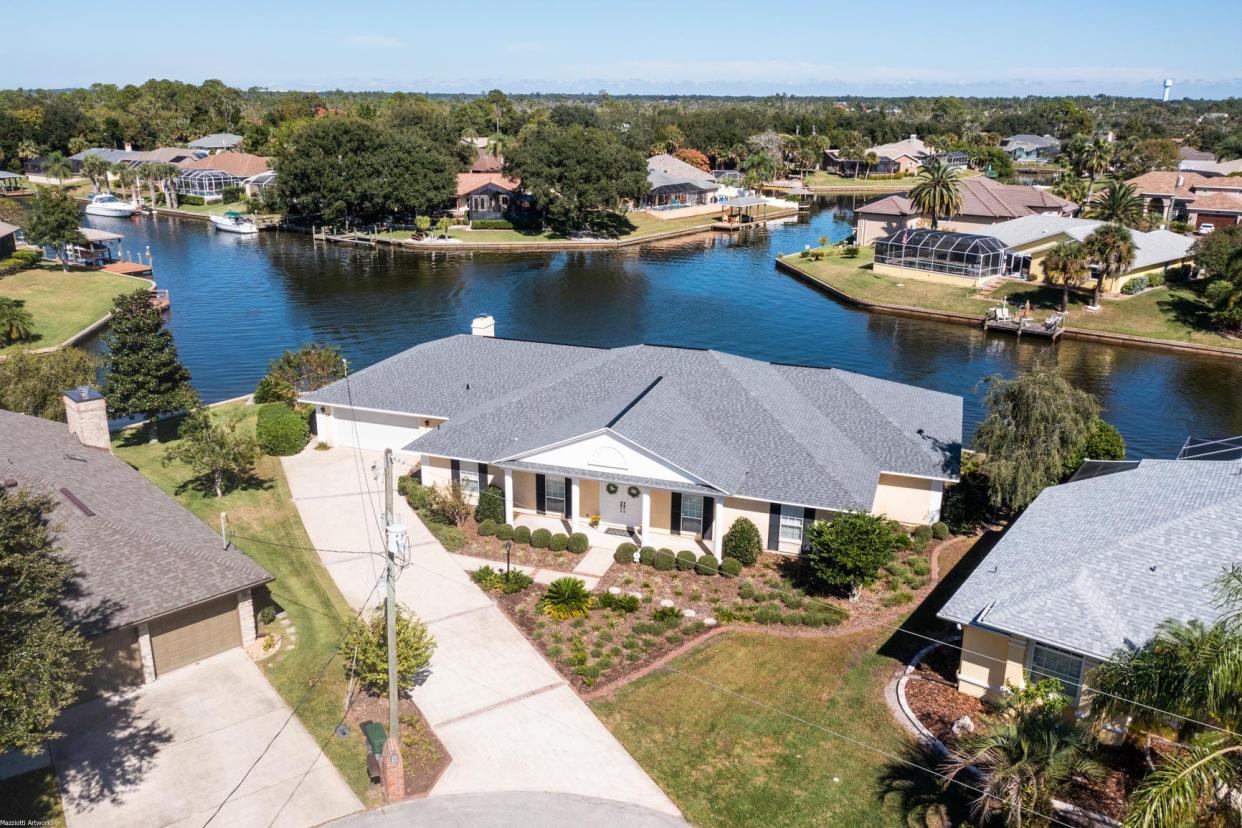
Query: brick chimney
[(483, 325), (86, 413)]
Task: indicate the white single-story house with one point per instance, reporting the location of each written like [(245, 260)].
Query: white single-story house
[(1076, 579), (657, 441), (154, 589)]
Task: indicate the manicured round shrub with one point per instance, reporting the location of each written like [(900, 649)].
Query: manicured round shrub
[(504, 532), (730, 568), (916, 543), (742, 542), (922, 533), (624, 555), (491, 505), (558, 542), (647, 556), (940, 530), (267, 615), (685, 560), (521, 534), (280, 430), (540, 538), (664, 560), (707, 565), (487, 528), (578, 543)]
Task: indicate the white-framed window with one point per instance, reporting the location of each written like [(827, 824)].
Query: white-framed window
[(691, 514), (554, 495), (1053, 662), (791, 524), (468, 479)]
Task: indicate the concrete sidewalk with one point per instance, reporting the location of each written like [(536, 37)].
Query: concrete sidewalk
[(499, 810), (508, 719)]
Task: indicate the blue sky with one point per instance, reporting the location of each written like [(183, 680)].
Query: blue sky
[(719, 47)]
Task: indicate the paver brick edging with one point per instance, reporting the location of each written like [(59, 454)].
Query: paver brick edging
[(958, 318)]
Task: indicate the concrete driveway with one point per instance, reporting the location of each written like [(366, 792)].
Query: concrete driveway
[(168, 753), (498, 810), (508, 719)]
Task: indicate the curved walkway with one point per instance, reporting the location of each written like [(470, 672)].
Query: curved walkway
[(502, 810), (507, 718)]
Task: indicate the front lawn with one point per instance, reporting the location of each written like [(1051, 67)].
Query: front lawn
[(764, 729), (644, 225), (1174, 312), (61, 303), (821, 178), (303, 588), (31, 799)]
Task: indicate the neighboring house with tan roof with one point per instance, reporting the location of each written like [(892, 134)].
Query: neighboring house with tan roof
[(1173, 194), (984, 202), (904, 156), (486, 195), (154, 589), (488, 162)]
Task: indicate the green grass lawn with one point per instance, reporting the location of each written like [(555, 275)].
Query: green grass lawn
[(644, 225), (31, 799), (303, 588), (821, 178), (216, 209), (64, 303), (1172, 312)]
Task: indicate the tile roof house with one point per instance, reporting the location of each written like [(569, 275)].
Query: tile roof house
[(984, 202), (1074, 580), (488, 162), (658, 441), (486, 195), (237, 164), (1185, 153), (1175, 194), (674, 183), (153, 587)]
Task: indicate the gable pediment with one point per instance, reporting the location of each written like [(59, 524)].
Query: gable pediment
[(606, 453)]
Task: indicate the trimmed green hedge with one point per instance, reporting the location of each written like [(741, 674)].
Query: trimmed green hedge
[(194, 200), (487, 528), (625, 553), (664, 560), (492, 224), (707, 565), (940, 530), (558, 542), (730, 568), (504, 532), (280, 430), (521, 534)]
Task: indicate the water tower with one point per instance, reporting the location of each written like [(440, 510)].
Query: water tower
[(1168, 85)]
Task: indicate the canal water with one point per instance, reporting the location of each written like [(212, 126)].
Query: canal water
[(238, 301)]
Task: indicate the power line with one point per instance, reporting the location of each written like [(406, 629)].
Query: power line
[(293, 712)]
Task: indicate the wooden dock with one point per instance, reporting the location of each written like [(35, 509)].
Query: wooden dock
[(128, 268), (1025, 326), (160, 300)]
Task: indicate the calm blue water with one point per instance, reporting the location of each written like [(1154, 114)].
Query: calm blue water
[(238, 301)]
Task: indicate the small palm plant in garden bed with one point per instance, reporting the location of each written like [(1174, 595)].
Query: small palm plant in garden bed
[(566, 598)]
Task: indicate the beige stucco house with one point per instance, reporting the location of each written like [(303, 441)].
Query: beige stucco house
[(661, 443), (1076, 579)]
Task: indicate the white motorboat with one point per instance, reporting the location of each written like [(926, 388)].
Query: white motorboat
[(234, 222), (106, 204)]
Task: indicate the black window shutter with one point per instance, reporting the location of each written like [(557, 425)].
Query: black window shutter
[(808, 517), (456, 466), (674, 518), (774, 526), (709, 516), (482, 476), (540, 494), (569, 497)]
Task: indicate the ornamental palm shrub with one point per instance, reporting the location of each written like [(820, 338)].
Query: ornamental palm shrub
[(1018, 765), (685, 560), (938, 191), (742, 542), (415, 645), (706, 565), (540, 538), (16, 323), (491, 505), (566, 598), (578, 543)]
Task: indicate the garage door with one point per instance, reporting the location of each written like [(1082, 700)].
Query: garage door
[(120, 663), (374, 430), (191, 635)]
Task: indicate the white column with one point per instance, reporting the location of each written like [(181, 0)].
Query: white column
[(245, 616), (509, 496), (148, 656), (575, 508), (718, 528), (422, 469), (646, 512)]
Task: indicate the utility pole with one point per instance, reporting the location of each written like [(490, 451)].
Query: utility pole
[(393, 767)]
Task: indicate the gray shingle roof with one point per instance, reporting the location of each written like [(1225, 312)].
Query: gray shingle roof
[(1097, 564), (790, 434), (1151, 248), (666, 171), (141, 554), (216, 140)]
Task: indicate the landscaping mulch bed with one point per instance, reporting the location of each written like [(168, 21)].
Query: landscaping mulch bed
[(493, 549), (424, 756), (1124, 769)]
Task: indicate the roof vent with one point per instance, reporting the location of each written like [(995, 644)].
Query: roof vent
[(82, 507), (10, 483)]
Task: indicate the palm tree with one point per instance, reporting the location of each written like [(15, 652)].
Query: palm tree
[(58, 166), (1072, 188), (1020, 764), (1066, 265), (938, 191), (149, 173), (96, 169), (1097, 159), (163, 173), (126, 178), (1117, 203), (1111, 248), (16, 323)]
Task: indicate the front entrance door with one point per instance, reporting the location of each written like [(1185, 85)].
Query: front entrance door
[(619, 509)]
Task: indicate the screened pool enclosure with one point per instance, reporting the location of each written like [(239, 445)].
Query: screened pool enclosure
[(942, 251), (209, 184)]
